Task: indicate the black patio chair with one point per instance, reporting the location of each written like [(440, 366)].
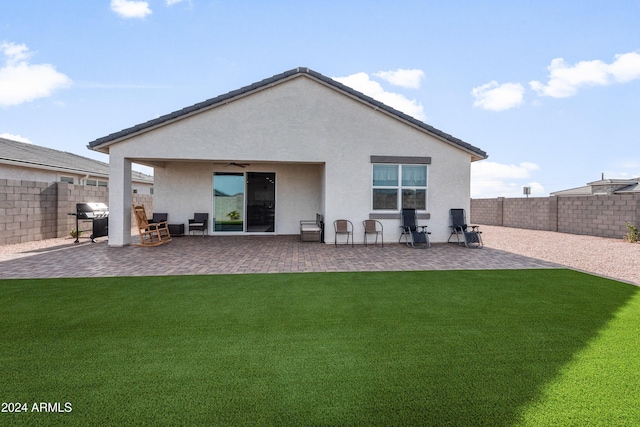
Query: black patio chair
[(413, 233), (159, 217), (199, 223), (466, 235)]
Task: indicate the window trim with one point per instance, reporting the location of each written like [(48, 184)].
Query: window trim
[(406, 160), (410, 161)]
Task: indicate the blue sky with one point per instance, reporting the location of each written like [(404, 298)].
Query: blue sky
[(549, 89)]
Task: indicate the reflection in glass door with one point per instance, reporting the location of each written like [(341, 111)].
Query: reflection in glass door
[(244, 202), (228, 201), (261, 202)]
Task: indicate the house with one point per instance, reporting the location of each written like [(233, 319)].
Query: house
[(28, 162), (261, 158), (603, 187)]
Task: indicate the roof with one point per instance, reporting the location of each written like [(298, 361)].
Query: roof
[(603, 186), (101, 143), (579, 191), (34, 156)]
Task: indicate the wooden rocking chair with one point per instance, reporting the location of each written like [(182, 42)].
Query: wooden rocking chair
[(151, 234)]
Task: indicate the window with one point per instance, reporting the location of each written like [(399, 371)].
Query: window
[(95, 183), (399, 186), (67, 179)]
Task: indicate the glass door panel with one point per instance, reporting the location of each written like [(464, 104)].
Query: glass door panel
[(228, 201), (261, 202)]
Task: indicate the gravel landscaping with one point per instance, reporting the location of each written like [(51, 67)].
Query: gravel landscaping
[(613, 258)]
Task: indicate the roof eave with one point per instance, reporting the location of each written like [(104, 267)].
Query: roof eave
[(44, 166), (102, 144)]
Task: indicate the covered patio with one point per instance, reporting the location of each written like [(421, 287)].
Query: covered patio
[(264, 157)]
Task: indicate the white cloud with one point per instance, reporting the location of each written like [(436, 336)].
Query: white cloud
[(565, 80), (21, 81), (130, 8), (498, 97), (172, 2), (409, 79), (18, 138), (362, 83), (492, 179)]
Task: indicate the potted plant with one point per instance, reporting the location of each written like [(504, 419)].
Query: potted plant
[(234, 215)]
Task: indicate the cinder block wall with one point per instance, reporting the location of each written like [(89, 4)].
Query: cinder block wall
[(31, 210), (603, 216), (486, 211), (28, 211), (530, 213)]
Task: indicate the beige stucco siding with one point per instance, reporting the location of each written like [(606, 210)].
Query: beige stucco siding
[(183, 188), (318, 141)]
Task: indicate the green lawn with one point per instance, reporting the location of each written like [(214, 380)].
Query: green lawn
[(494, 348)]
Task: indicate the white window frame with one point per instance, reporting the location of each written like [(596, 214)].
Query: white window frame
[(400, 187)]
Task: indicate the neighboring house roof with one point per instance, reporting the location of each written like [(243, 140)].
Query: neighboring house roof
[(603, 186), (33, 156), (579, 191), (100, 144)]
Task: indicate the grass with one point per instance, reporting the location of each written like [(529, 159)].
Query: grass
[(495, 348)]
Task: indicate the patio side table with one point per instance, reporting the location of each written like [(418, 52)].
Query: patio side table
[(176, 229)]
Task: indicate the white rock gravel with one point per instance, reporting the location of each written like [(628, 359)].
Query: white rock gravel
[(612, 258)]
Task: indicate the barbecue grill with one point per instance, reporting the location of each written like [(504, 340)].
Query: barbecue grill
[(97, 214)]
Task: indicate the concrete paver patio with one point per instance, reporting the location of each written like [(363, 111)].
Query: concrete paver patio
[(249, 254)]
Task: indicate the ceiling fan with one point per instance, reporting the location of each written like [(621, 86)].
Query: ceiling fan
[(240, 165)]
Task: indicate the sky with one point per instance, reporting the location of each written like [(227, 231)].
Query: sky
[(549, 89)]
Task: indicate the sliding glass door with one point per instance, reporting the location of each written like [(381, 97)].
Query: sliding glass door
[(261, 202), (244, 202), (228, 201)]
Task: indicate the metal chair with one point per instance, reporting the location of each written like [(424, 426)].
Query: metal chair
[(412, 231), (343, 226), (470, 238), (371, 227)]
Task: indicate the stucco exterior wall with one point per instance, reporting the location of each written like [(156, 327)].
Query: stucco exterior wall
[(290, 129), (29, 174), (183, 188)]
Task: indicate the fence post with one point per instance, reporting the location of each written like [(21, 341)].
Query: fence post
[(500, 211), (62, 210), (637, 223), (553, 213)]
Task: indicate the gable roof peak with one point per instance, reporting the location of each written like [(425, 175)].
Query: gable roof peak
[(100, 144)]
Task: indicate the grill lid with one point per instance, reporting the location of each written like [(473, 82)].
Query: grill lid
[(91, 207), (91, 210)]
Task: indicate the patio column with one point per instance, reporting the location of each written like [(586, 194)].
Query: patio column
[(119, 201)]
